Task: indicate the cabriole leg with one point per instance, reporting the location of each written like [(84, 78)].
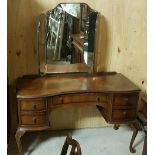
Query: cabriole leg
[(135, 132), (19, 133)]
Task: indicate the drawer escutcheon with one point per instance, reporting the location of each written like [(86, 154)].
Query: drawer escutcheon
[(34, 119)]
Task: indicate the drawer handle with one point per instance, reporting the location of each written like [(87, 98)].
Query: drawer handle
[(126, 99), (34, 106), (98, 99), (61, 99), (125, 114), (34, 120)]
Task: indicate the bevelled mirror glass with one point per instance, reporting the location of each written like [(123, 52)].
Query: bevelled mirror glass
[(66, 38)]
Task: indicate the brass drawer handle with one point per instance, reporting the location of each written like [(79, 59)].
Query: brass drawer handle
[(98, 99), (126, 99), (34, 120), (34, 106), (125, 114), (61, 99)]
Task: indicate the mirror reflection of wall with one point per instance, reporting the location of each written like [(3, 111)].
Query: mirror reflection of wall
[(69, 23), (70, 34)]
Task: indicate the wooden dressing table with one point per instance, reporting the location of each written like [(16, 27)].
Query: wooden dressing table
[(75, 81), (113, 94)]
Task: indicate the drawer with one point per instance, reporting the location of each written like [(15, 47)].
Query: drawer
[(33, 119), (79, 98), (124, 114), (32, 105), (125, 100)]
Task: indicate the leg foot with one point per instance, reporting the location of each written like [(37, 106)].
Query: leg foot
[(19, 133), (145, 146), (135, 132), (116, 126)]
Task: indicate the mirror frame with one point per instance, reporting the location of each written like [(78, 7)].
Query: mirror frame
[(45, 68)]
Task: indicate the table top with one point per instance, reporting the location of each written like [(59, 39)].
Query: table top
[(54, 85)]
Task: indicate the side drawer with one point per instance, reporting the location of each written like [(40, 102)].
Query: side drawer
[(26, 105), (79, 98), (33, 119), (124, 114), (126, 100)]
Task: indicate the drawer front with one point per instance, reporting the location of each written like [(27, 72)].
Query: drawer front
[(32, 105), (33, 119), (79, 98), (124, 114), (125, 100)]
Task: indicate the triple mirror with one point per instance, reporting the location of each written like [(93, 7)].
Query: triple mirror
[(66, 38)]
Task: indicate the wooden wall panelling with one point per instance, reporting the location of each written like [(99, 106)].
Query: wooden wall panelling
[(129, 41)]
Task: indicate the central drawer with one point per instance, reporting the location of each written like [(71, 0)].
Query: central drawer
[(79, 98)]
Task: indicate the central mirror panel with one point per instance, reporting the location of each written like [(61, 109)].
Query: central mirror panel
[(66, 38)]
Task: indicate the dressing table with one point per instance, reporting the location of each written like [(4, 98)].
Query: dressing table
[(62, 82)]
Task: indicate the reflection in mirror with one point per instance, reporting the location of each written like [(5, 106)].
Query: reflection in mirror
[(66, 35)]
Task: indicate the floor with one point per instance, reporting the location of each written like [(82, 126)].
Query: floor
[(93, 141)]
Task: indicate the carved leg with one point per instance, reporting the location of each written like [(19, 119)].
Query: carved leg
[(19, 133), (135, 132), (145, 146), (116, 126)]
